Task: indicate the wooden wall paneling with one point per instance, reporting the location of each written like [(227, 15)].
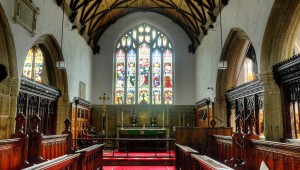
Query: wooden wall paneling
[(174, 122), (81, 118), (111, 125)]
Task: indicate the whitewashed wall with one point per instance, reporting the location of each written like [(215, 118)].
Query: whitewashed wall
[(76, 53), (184, 61), (251, 17)]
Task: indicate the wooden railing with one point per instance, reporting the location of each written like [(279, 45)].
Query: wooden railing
[(11, 154), (222, 149), (36, 151), (206, 163), (128, 144), (62, 162), (189, 159), (91, 157), (183, 156), (54, 146)]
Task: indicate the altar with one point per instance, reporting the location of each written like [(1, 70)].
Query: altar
[(142, 139), (142, 133)]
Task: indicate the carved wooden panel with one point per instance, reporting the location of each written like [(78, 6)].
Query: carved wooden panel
[(36, 98), (81, 117), (246, 99), (287, 76)]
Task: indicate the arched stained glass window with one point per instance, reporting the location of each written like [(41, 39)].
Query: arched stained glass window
[(33, 65), (144, 65)]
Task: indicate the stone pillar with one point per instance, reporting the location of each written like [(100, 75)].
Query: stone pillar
[(9, 90), (220, 110), (63, 112), (273, 122)]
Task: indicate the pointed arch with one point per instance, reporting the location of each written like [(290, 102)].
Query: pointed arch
[(235, 44), (277, 45), (58, 77), (10, 85)]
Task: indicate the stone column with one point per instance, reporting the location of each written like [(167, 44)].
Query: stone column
[(220, 110), (63, 112), (273, 122), (9, 90)]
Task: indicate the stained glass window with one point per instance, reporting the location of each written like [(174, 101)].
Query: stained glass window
[(144, 67), (33, 65)]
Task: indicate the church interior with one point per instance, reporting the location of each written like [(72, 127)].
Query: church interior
[(150, 84)]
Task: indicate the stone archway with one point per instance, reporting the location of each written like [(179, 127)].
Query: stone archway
[(277, 46), (9, 86), (235, 44), (58, 77)]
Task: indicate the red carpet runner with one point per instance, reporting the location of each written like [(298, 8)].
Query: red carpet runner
[(138, 168), (139, 161)]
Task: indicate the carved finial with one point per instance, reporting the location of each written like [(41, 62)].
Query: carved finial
[(20, 120), (251, 123), (213, 125), (239, 123), (35, 120), (67, 123)]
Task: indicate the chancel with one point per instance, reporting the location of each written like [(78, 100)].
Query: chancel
[(154, 84)]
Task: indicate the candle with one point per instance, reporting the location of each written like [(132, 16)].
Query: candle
[(122, 116), (163, 118), (122, 119)]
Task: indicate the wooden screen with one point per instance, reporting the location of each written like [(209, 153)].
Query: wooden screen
[(245, 100), (81, 117), (36, 98), (287, 76)]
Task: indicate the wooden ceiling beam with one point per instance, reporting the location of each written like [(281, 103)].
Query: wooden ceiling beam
[(203, 20), (181, 5)]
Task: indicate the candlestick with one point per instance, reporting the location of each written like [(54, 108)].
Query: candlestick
[(122, 119), (163, 119)]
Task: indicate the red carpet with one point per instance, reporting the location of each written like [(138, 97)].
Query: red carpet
[(138, 168), (139, 159), (139, 154)]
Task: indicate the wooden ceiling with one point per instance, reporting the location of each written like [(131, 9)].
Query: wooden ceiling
[(93, 17)]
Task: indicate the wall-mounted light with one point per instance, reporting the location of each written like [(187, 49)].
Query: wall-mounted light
[(60, 64), (222, 63)]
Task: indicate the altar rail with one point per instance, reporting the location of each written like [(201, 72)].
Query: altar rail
[(127, 143)]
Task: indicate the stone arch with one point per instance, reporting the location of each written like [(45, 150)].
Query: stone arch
[(278, 41), (234, 46), (58, 77), (9, 86)]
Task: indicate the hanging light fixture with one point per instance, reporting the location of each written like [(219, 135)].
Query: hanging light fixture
[(222, 63), (60, 64)]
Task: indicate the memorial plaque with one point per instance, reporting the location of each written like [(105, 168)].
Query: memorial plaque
[(25, 14)]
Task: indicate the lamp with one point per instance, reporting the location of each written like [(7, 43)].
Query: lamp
[(222, 63), (60, 64)]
